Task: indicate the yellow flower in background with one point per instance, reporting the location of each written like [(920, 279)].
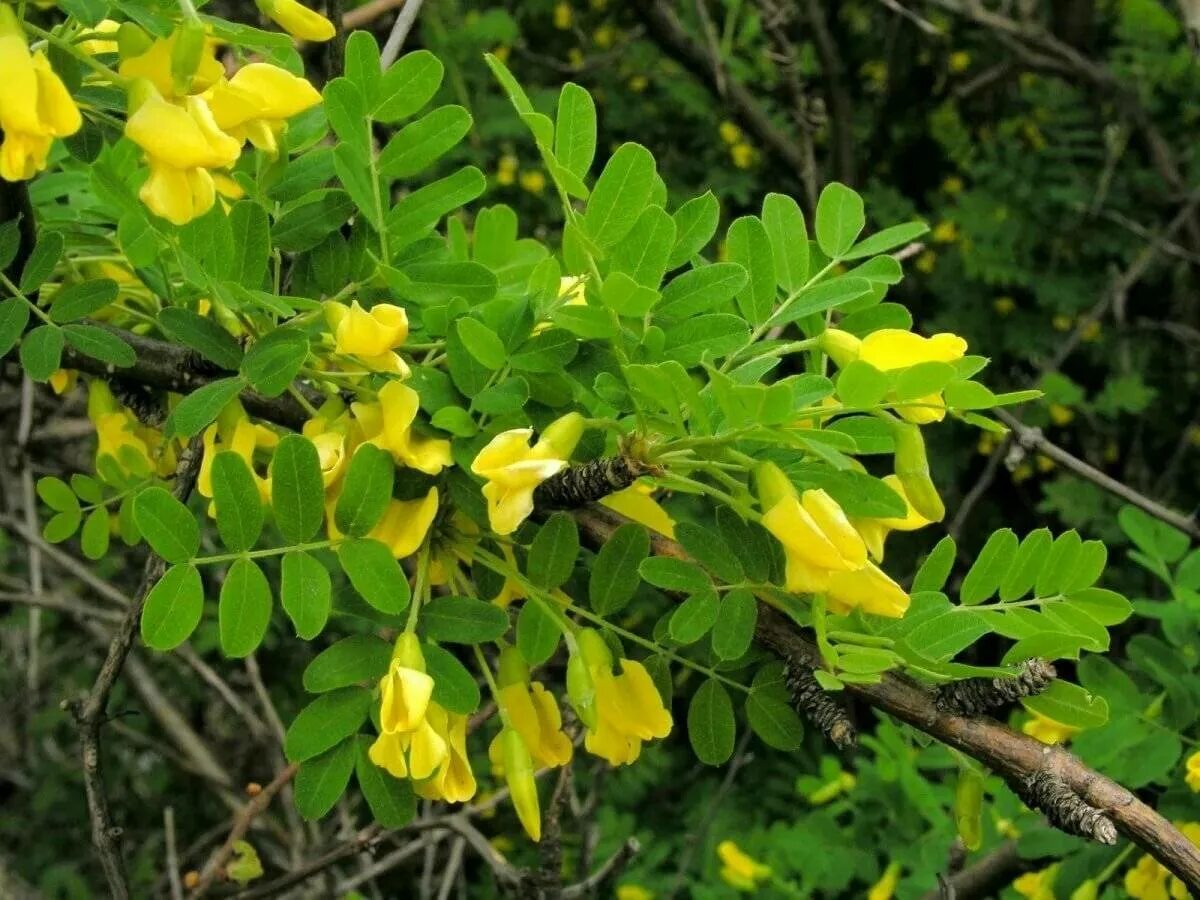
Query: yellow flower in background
[(405, 523), (181, 142), (1193, 772), (513, 470), (945, 232), (1047, 730), (506, 170), (35, 105), (638, 83), (960, 61), (633, 892), (1062, 322), (740, 870), (1091, 331), (1044, 463), (1147, 880), (453, 781), (257, 101), (532, 711), (63, 380), (986, 444), (885, 887), (637, 503), (389, 425), (297, 20), (926, 262), (1060, 415), (563, 15), (234, 431), (533, 181), (154, 65), (117, 428), (1004, 306), (742, 155), (1037, 885), (371, 335), (874, 531), (605, 36), (952, 185), (729, 132), (1022, 472)]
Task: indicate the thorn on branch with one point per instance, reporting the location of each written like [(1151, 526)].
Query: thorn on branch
[(814, 703), (1066, 810), (976, 696), (579, 485)]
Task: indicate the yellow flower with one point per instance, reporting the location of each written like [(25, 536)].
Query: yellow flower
[(98, 43), (730, 133), (1193, 772), (532, 711), (154, 65), (890, 349), (1061, 415), (513, 470), (825, 554), (637, 503), (1091, 331), (926, 262), (533, 181), (945, 232), (885, 887), (739, 870), (1004, 305), (257, 101), (331, 454), (1023, 472), (875, 531), (831, 790), (604, 36), (506, 170), (637, 84), (297, 20), (952, 185), (371, 335), (453, 781), (389, 424), (562, 15), (620, 711), (1062, 322), (987, 444), (742, 155), (960, 61), (1037, 885), (1047, 730), (63, 380), (405, 690), (35, 105), (1147, 880), (1044, 463), (405, 523), (234, 431), (182, 142), (633, 892)]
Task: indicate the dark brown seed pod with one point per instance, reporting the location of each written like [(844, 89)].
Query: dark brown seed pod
[(579, 485), (1066, 810), (814, 703), (976, 696), (140, 400)]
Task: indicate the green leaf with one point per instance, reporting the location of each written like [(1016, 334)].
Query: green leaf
[(748, 245), (297, 490), (41, 263), (482, 343), (346, 109), (1069, 704), (407, 85), (202, 406), (537, 633), (754, 546), (354, 172), (923, 379), (695, 224), (244, 612), (706, 547), (203, 335), (947, 633), (14, 316), (173, 608), (673, 574), (306, 222), (306, 593), (711, 728), (454, 686), (420, 211), (575, 129), (861, 384), (352, 660), (41, 352), (694, 617), (992, 564), (1046, 645), (642, 253), (888, 239), (788, 235), (716, 335), (363, 66), (62, 526), (391, 800), (774, 721), (93, 540), (512, 88), (445, 281), (840, 219), (1106, 607), (553, 551), (463, 620), (821, 297), (366, 492), (700, 290), (734, 629), (326, 722), (100, 344), (621, 193), (239, 508), (1029, 561), (375, 574), (168, 526), (622, 295), (138, 239), (420, 144), (78, 300), (1060, 564), (274, 360), (614, 577), (251, 245), (1154, 538), (1089, 566), (322, 780), (56, 494)]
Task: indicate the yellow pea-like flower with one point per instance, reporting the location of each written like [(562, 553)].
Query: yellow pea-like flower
[(297, 20), (452, 781), (371, 335), (513, 470), (404, 694), (740, 870), (637, 503), (405, 523), (154, 65), (1047, 730), (257, 101)]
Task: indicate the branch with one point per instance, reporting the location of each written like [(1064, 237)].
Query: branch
[(1014, 756), (90, 713), (610, 869), (986, 877), (400, 29), (241, 824)]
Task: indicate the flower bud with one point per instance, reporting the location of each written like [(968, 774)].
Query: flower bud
[(840, 346), (518, 773), (186, 53), (132, 41), (912, 468), (581, 688), (772, 485), (407, 652), (968, 807), (563, 434), (512, 669)]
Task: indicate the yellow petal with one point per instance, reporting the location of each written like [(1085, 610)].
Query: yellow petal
[(634, 504), (273, 93), (56, 108), (299, 21), (427, 748), (504, 449), (175, 137), (18, 87), (894, 348), (642, 704), (833, 523), (387, 752), (404, 699), (869, 589), (405, 523), (794, 527)]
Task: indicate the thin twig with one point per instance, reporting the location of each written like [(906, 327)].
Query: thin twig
[(403, 24), (453, 866), (609, 870), (172, 854)]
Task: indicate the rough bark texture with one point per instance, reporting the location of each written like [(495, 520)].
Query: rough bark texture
[(975, 696), (815, 704), (577, 486)]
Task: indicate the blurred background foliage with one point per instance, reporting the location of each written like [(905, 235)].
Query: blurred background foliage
[(1052, 148)]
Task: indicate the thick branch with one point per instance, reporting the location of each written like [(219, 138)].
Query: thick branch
[(986, 877)]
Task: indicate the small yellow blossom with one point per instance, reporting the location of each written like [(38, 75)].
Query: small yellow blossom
[(98, 43), (234, 431), (952, 185), (1061, 415), (154, 65), (926, 262), (945, 232), (1147, 880), (511, 756), (452, 781), (1193, 772), (563, 15), (638, 83), (506, 170), (63, 380), (533, 180), (1037, 885), (297, 20), (371, 335), (35, 105), (1047, 730), (1022, 472), (730, 133), (1044, 463), (604, 36), (513, 469), (404, 523), (638, 504), (987, 444), (532, 711), (742, 154), (257, 101), (960, 61), (1091, 331), (575, 59), (740, 870), (389, 425), (885, 887), (1004, 305), (1062, 322), (633, 892)]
